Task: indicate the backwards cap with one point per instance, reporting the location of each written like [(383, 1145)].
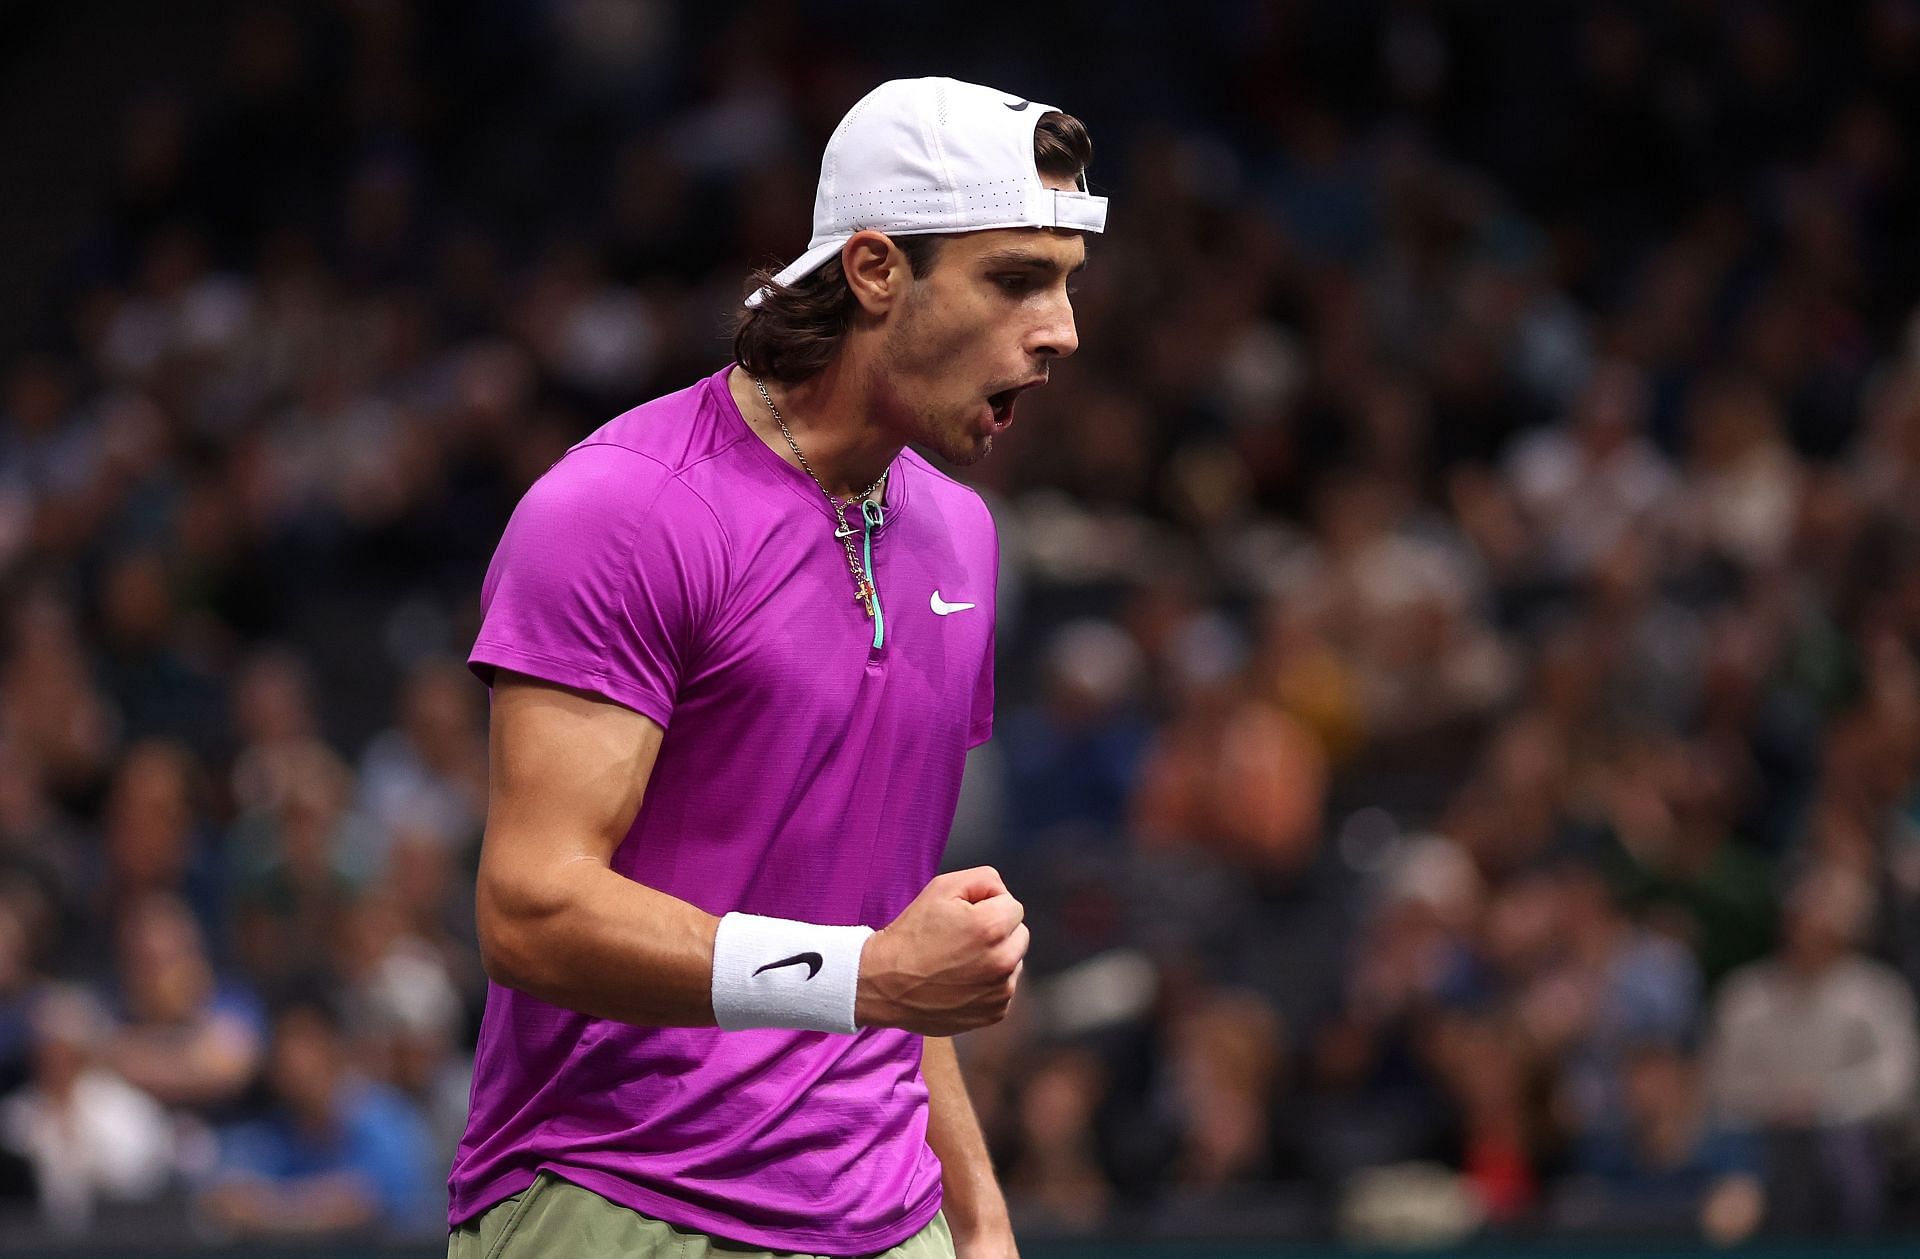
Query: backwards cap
[(920, 156)]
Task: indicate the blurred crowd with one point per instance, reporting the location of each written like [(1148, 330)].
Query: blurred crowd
[(1459, 724)]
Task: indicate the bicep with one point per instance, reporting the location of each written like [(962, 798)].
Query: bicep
[(568, 771)]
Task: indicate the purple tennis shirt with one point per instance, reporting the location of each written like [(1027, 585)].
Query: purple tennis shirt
[(676, 565)]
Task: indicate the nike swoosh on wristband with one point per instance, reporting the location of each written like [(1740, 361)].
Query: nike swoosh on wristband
[(813, 963), (942, 608)]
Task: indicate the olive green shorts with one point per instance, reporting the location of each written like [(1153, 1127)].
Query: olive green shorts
[(557, 1218)]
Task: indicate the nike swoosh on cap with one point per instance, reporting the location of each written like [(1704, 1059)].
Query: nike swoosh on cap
[(942, 608), (1016, 108)]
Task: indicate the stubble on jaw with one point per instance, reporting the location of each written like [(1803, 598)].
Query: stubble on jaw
[(952, 437)]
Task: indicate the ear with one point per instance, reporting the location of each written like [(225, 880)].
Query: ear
[(876, 270)]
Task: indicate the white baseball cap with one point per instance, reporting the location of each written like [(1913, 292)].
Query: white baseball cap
[(920, 156)]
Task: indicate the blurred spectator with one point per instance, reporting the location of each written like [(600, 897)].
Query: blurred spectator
[(1372, 1094), (1661, 1162), (1589, 484), (49, 704), (1071, 757), (187, 1038), (1396, 591), (1056, 1173), (1616, 987), (1227, 1063), (89, 1136), (335, 1155), (1241, 780), (405, 1016), (43, 857), (19, 980), (429, 889), (302, 855), (428, 775), (1817, 1048), (1744, 480), (274, 720), (1512, 816), (1485, 1065), (1669, 808), (157, 840), (164, 687)]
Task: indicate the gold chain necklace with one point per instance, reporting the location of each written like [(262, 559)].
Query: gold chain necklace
[(862, 586)]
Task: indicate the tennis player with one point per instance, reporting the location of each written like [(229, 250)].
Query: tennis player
[(740, 640)]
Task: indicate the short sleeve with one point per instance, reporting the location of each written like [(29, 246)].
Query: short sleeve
[(605, 576)]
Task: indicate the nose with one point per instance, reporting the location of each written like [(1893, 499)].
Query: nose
[(1055, 336)]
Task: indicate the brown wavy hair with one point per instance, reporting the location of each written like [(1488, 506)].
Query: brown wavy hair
[(796, 329)]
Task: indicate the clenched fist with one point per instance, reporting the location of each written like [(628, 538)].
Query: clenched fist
[(949, 962)]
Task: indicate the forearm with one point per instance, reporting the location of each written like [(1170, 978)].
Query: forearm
[(214, 1064), (569, 773), (590, 939), (974, 1204)]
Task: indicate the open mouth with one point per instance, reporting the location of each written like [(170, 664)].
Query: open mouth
[(1001, 403), (1002, 406)]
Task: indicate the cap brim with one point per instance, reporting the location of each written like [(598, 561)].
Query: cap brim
[(802, 267)]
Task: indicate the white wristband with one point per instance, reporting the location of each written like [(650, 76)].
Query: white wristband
[(775, 972)]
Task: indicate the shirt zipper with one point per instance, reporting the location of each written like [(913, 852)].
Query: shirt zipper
[(873, 517)]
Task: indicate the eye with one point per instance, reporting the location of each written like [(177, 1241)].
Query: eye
[(1013, 283)]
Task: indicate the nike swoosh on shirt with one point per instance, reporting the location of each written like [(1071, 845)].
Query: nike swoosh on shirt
[(813, 963), (942, 608)]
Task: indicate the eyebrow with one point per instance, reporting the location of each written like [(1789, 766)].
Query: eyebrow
[(1024, 258)]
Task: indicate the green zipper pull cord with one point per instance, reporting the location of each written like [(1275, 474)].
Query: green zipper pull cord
[(870, 512)]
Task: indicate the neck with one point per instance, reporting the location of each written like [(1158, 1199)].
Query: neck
[(832, 419)]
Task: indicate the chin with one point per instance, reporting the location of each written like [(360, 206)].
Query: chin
[(959, 446), (974, 453), (964, 451)]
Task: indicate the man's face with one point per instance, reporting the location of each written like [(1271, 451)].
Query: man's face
[(983, 324), (304, 1063)]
